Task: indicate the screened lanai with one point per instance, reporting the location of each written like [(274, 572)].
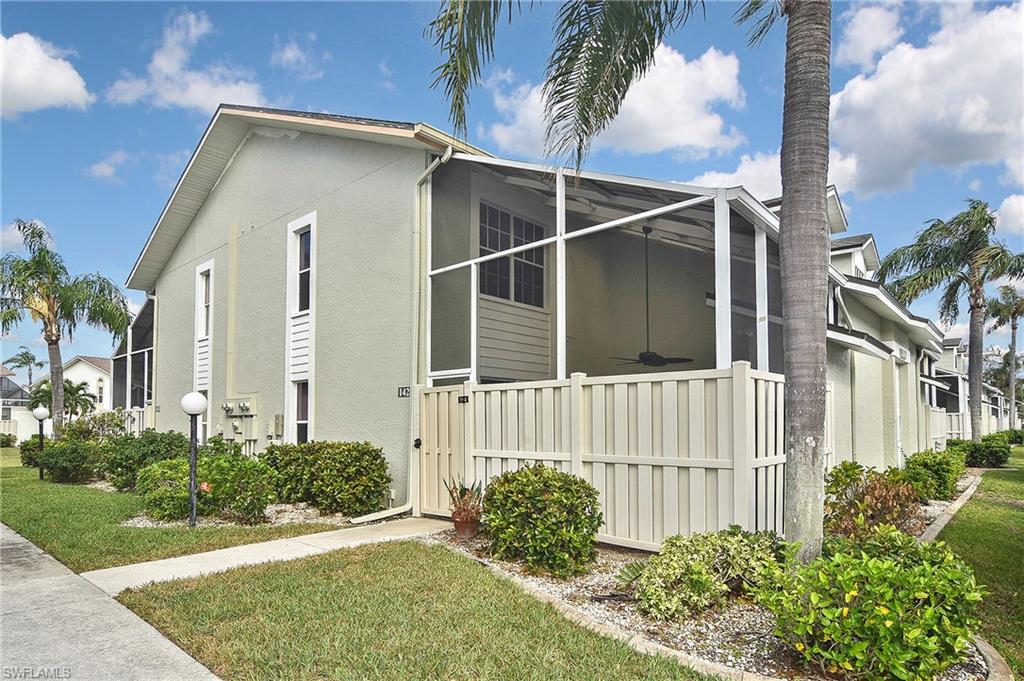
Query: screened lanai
[(536, 273), (133, 362)]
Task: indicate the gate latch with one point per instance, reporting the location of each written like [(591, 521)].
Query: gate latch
[(417, 443)]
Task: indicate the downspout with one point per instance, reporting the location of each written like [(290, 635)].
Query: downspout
[(413, 427)]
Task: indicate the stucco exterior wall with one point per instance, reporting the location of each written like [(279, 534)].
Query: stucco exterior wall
[(83, 371), (363, 194), (839, 375)]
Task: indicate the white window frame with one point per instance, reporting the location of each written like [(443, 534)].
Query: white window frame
[(309, 411), (204, 311), (204, 419), (513, 257), (296, 227)]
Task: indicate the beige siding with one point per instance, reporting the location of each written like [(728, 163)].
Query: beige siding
[(514, 341)]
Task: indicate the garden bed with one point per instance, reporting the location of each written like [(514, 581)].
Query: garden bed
[(275, 514), (738, 636)]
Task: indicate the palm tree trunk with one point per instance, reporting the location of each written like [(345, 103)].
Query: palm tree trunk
[(804, 253), (56, 386), (976, 341), (1013, 374)]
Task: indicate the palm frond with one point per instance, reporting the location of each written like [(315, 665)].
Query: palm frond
[(761, 14)]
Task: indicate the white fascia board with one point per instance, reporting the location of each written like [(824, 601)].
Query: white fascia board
[(899, 314), (762, 216), (856, 344)]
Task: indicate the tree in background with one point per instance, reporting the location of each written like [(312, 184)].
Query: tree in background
[(601, 48), (1007, 310), (959, 256), (40, 285), (25, 359), (78, 401)]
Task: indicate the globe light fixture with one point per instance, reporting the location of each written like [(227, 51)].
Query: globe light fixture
[(41, 413), (193, 404)]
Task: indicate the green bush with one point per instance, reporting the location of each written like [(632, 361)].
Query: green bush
[(28, 449), (69, 460), (218, 446), (859, 498), (127, 455), (918, 478), (693, 573), (942, 470), (96, 426), (336, 477), (886, 607), (230, 486), (992, 452), (544, 517), (8, 440), (1015, 436)]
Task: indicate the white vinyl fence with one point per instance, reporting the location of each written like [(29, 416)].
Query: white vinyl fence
[(669, 453), (937, 428)]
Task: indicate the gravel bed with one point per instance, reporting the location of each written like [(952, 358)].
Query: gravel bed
[(102, 485), (738, 635), (276, 514)]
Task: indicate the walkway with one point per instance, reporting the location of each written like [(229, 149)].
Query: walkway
[(56, 625), (117, 579)]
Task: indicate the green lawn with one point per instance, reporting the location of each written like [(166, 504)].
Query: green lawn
[(989, 533), (387, 611), (81, 527)]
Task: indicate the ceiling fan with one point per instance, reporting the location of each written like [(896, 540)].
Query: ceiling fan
[(648, 357)]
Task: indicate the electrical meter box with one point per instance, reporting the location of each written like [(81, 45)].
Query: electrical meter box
[(240, 416)]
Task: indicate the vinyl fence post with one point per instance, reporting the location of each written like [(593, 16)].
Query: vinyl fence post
[(468, 434), (744, 501), (576, 416), (417, 452)]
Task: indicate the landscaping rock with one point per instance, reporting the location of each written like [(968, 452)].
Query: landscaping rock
[(276, 514)]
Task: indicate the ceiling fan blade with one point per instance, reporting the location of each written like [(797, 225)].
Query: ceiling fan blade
[(626, 359), (678, 360)]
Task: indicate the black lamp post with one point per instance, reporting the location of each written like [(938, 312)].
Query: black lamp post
[(193, 404), (41, 413)]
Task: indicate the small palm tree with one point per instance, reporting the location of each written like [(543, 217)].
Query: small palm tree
[(25, 359), (78, 401), (960, 256), (1007, 310), (39, 284), (600, 49)]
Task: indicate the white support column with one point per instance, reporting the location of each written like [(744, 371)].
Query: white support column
[(128, 370), (429, 257), (560, 295), (761, 277), (723, 283), (474, 299)]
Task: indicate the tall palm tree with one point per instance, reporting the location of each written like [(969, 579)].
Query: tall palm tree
[(960, 256), (25, 359), (39, 284), (77, 398), (602, 47), (1007, 310)]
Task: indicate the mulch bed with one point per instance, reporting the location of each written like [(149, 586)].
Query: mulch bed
[(738, 635)]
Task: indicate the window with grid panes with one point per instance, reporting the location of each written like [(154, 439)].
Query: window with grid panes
[(519, 277)]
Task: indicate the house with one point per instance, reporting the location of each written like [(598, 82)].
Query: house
[(955, 396), (15, 416), (329, 277), (94, 372)]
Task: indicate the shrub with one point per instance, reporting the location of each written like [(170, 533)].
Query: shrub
[(858, 499), (28, 449), (127, 455), (1015, 436), (885, 607), (336, 477), (942, 470), (8, 439), (68, 460), (96, 426), (695, 572), (991, 452), (918, 478), (218, 446), (544, 517), (231, 486)]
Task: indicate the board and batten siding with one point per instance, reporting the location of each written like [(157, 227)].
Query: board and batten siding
[(514, 341)]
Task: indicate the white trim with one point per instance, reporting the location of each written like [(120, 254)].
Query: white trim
[(761, 289), (296, 227), (856, 344), (204, 275), (723, 283), (474, 323), (560, 281)]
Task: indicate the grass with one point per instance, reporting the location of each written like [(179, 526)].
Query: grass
[(988, 532), (81, 526), (400, 610)]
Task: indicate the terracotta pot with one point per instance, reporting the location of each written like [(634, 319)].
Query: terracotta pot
[(466, 529)]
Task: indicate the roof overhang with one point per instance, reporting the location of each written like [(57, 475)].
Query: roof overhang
[(868, 248), (835, 212), (858, 341), (874, 296), (226, 131), (931, 381)]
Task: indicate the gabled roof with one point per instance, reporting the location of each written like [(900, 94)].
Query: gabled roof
[(101, 363), (952, 342), (836, 213), (859, 242), (226, 131), (875, 296), (5, 372), (855, 241)]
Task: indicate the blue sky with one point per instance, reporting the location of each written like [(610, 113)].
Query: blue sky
[(103, 103)]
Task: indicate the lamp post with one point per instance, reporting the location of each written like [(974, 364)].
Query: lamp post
[(192, 404), (41, 413)]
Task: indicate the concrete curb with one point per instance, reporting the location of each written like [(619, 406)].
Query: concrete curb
[(932, 531), (998, 669)]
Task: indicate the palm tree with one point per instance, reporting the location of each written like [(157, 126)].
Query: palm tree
[(1007, 310), (41, 285), (77, 398), (25, 359), (600, 49), (960, 256)]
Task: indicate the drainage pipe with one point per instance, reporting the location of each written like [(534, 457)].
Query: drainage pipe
[(421, 217)]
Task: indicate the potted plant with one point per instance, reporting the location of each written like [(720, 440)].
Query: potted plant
[(467, 507)]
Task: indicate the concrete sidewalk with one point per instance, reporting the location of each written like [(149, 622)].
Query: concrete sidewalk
[(117, 579), (56, 625)]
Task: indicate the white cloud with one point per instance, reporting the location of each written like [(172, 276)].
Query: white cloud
[(869, 30), (170, 166), (36, 76), (957, 331), (670, 109), (106, 169), (170, 82), (952, 102), (10, 239), (134, 306), (387, 74), (1010, 218), (761, 174), (303, 61), (975, 185)]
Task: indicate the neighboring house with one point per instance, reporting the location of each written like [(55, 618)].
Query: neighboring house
[(94, 372), (955, 398), (310, 270), (15, 416)]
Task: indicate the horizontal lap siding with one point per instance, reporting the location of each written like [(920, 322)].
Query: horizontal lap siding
[(514, 341), (299, 348), (202, 377)]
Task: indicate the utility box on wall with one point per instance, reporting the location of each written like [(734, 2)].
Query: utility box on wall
[(240, 416)]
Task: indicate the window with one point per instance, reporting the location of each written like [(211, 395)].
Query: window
[(301, 412), (99, 390), (304, 269), (204, 419), (6, 415), (519, 277)]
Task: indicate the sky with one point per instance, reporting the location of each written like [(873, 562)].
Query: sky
[(104, 102)]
